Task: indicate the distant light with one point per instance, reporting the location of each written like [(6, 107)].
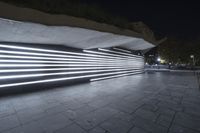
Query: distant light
[(146, 63), (192, 56), (158, 59)]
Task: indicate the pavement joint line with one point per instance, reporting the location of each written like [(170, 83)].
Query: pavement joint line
[(172, 121)]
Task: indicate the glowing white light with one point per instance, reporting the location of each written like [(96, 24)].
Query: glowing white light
[(60, 79), (64, 69), (58, 65), (158, 59), (58, 62), (44, 61), (108, 54), (123, 50), (115, 76), (93, 64), (48, 51), (72, 54), (60, 73), (55, 55), (116, 52)]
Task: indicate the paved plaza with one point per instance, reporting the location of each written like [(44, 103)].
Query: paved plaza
[(161, 102)]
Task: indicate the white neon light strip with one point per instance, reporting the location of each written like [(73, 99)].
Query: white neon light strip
[(81, 55), (60, 73), (50, 51), (57, 59), (117, 52), (46, 50), (65, 62), (64, 69), (56, 62), (59, 79), (57, 65), (115, 76), (123, 50), (55, 55), (43, 61), (109, 54)]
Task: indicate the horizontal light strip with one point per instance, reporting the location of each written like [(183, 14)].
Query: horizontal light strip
[(55, 55), (58, 65), (46, 50), (56, 62), (57, 59), (123, 50), (117, 52), (49, 51), (60, 73), (63, 69), (59, 79), (65, 62), (109, 54), (115, 76)]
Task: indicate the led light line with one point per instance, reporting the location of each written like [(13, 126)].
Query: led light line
[(109, 54), (55, 62), (62, 62), (59, 59), (59, 73), (117, 52), (55, 55), (58, 79), (55, 65), (46, 50), (115, 76), (123, 50), (64, 69)]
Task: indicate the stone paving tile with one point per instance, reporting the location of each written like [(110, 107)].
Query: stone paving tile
[(137, 130), (114, 125), (149, 107), (52, 123), (98, 130), (149, 115), (179, 129), (6, 108), (30, 114), (149, 125), (32, 127), (169, 105), (95, 118), (126, 106), (9, 122), (187, 121), (71, 129), (75, 114)]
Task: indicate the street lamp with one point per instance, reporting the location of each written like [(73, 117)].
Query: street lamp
[(192, 57)]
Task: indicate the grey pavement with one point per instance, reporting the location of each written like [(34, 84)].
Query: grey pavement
[(161, 102)]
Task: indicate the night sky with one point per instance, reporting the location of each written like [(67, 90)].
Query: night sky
[(176, 18)]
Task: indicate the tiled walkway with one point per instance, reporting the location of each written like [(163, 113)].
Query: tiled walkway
[(147, 103)]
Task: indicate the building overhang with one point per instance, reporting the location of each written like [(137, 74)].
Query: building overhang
[(25, 25)]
